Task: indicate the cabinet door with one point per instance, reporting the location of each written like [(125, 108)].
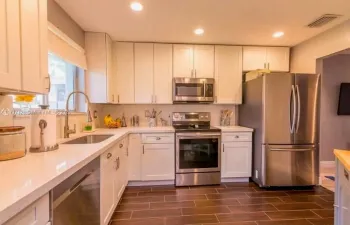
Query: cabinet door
[(236, 159), (277, 58), (111, 80), (163, 73), (228, 74), (34, 45), (158, 162), (108, 186), (204, 61), (123, 68), (97, 75), (183, 61), (254, 58), (134, 157), (10, 52), (144, 73)]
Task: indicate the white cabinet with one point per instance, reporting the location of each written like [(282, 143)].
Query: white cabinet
[(144, 73), (204, 61), (135, 151), (23, 45), (123, 69), (158, 162), (107, 189), (183, 60), (228, 74), (10, 52), (236, 155), (193, 61), (38, 213), (99, 76), (272, 58), (163, 73), (34, 45), (342, 195), (121, 168)]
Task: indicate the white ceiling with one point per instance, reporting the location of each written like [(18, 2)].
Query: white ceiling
[(244, 22)]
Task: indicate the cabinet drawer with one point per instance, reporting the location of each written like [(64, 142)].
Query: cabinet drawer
[(237, 145), (237, 137), (158, 138), (38, 213)]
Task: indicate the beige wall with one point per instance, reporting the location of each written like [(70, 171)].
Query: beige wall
[(58, 17), (304, 55), (334, 129)]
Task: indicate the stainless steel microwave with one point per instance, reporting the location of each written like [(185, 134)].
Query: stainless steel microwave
[(193, 90)]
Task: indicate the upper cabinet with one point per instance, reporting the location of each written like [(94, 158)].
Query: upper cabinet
[(272, 58), (193, 61), (99, 76), (123, 69), (23, 45), (228, 74), (163, 73), (144, 73)]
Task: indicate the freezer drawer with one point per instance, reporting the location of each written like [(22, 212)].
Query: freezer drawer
[(290, 165)]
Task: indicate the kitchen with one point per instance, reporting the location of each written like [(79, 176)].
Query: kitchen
[(181, 142)]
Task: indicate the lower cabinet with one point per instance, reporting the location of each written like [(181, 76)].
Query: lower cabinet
[(114, 178), (236, 155), (151, 157), (37, 213), (158, 162), (342, 196)]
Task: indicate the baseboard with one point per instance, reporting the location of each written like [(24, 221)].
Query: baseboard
[(172, 182), (236, 179), (327, 163)]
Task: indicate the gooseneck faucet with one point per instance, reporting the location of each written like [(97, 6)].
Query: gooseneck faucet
[(67, 131)]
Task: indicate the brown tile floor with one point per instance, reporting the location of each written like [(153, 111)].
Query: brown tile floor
[(226, 204)]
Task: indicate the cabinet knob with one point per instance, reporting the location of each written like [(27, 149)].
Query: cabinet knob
[(346, 174), (236, 136), (121, 145), (158, 138), (109, 155)]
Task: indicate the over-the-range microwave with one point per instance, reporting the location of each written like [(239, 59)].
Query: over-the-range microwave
[(193, 90)]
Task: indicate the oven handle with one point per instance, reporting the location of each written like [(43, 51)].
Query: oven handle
[(198, 135)]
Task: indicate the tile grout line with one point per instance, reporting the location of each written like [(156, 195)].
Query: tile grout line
[(267, 216)]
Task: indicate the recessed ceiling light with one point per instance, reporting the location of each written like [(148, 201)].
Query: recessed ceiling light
[(278, 34), (199, 31), (136, 6)]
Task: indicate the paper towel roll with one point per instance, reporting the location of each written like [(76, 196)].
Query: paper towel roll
[(49, 132)]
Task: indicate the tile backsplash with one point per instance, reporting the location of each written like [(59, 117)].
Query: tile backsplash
[(130, 110)]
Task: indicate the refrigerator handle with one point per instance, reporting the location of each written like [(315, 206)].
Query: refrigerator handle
[(292, 149), (298, 100), (292, 126)]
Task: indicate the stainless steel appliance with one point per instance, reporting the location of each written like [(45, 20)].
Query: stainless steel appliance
[(195, 90), (198, 155), (283, 110), (76, 201)]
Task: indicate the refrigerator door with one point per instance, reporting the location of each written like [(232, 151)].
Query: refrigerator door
[(279, 108), (307, 90), (289, 165)]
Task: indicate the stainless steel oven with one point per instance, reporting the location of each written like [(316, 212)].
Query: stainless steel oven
[(198, 158), (198, 90)]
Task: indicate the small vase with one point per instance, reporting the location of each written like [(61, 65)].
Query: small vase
[(152, 122)]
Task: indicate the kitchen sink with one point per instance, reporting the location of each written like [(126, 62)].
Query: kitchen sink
[(89, 139)]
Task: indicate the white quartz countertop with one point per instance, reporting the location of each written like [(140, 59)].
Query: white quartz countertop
[(26, 179), (234, 129)]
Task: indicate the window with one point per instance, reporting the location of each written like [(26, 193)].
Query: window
[(65, 78)]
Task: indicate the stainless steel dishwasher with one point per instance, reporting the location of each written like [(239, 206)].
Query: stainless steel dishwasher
[(76, 201)]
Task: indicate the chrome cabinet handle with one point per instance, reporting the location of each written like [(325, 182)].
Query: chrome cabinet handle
[(143, 149), (127, 151), (223, 147), (265, 66), (49, 87), (158, 138), (346, 174), (195, 73), (118, 98), (121, 145), (112, 98), (155, 98), (109, 155), (118, 163)]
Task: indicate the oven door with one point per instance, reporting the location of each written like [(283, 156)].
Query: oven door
[(198, 152), (193, 90)]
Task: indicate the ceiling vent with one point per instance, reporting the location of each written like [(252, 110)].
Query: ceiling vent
[(323, 20)]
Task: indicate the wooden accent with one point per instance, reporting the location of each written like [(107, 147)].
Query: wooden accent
[(12, 155)]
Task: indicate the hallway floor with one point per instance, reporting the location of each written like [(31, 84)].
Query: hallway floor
[(226, 204)]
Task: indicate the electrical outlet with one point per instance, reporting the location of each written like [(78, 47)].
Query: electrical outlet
[(256, 174)]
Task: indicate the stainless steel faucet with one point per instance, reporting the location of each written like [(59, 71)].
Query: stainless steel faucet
[(67, 131)]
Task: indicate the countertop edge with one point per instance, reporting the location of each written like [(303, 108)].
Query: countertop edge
[(340, 154)]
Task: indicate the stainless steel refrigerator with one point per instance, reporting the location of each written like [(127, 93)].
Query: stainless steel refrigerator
[(283, 110)]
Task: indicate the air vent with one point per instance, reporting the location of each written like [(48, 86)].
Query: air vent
[(323, 20)]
